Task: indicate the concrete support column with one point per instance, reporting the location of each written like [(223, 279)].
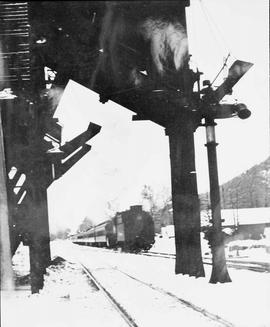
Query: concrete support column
[(186, 206)]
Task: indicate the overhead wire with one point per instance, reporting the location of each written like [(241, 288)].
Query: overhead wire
[(224, 65), (213, 26), (219, 37)]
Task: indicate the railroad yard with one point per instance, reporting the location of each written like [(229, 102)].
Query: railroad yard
[(112, 288)]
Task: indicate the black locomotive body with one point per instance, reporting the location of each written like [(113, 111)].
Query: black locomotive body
[(132, 230)]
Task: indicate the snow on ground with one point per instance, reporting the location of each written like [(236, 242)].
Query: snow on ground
[(20, 263), (163, 245), (245, 302), (148, 306), (166, 244), (67, 297), (253, 250)]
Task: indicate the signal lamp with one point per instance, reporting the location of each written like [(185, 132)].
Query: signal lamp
[(222, 111), (242, 111)]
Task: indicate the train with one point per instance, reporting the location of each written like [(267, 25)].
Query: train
[(131, 230)]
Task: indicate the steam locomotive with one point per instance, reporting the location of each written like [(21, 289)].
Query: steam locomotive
[(132, 230)]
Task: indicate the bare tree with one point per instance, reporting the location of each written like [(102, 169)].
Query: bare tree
[(148, 194), (158, 200), (61, 234), (85, 225)]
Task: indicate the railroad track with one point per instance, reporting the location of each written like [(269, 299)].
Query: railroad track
[(116, 305), (186, 303), (232, 263), (127, 317)]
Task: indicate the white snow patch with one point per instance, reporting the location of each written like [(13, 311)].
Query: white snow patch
[(66, 299), (245, 302)]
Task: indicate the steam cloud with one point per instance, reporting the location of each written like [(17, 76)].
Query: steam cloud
[(129, 44), (168, 41)]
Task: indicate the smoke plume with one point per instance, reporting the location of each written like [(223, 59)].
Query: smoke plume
[(131, 42)]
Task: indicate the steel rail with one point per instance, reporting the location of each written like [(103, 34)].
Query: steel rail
[(128, 319), (237, 264), (188, 304)]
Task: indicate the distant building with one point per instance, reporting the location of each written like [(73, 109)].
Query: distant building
[(240, 223), (244, 223)]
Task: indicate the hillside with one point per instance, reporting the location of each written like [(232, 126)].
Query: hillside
[(251, 189)]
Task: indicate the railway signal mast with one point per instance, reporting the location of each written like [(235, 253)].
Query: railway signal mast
[(211, 110)]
